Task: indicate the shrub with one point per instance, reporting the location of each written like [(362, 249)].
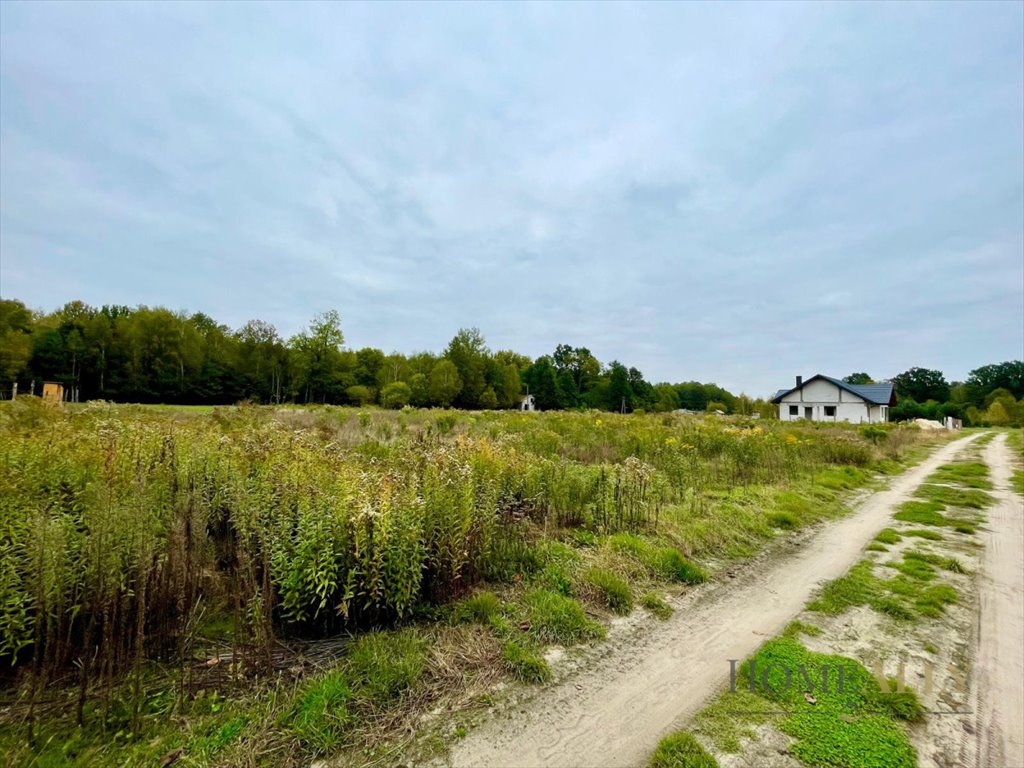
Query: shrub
[(395, 395), (359, 395)]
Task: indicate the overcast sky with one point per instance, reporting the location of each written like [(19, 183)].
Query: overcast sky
[(724, 192)]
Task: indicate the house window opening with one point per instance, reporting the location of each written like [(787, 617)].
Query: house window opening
[(830, 410), (794, 410)]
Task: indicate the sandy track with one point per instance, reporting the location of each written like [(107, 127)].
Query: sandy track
[(614, 711), (999, 666)]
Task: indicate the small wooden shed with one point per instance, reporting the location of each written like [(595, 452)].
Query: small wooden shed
[(53, 392)]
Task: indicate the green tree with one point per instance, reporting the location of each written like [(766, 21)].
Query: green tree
[(997, 415), (445, 383), (397, 394), (577, 370), (620, 393), (666, 398), (922, 384), (469, 353), (858, 378), (1008, 375), (369, 363), (419, 387), (261, 361), (541, 381), (15, 341), (316, 359), (1000, 393), (489, 399)]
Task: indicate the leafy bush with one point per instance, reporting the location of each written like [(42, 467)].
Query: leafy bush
[(395, 395)]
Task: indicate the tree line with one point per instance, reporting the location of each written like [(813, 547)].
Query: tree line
[(992, 395), (155, 355)]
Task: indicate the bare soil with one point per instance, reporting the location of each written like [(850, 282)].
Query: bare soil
[(999, 664), (611, 707)]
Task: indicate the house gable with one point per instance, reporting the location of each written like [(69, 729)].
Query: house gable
[(820, 390), (874, 394)]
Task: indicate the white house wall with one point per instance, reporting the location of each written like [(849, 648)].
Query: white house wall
[(817, 394)]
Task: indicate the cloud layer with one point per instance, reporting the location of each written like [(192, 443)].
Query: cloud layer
[(728, 192)]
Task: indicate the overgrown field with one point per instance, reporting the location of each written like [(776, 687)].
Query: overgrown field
[(143, 550)]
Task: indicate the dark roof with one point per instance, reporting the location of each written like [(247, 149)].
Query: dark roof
[(877, 394)]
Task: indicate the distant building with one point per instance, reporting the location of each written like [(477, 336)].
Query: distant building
[(53, 392), (527, 403), (822, 398)]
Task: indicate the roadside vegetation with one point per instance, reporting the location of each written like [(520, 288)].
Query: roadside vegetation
[(782, 701), (261, 585)]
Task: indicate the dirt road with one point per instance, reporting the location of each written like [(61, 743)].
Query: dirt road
[(642, 685), (999, 666)]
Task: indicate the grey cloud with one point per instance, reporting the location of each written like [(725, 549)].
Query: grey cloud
[(722, 192)]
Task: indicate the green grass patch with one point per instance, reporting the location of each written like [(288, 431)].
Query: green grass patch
[(924, 533), (481, 608), (377, 670), (796, 628), (667, 562), (527, 665), (555, 618), (782, 520), (1017, 481), (383, 664), (657, 605), (930, 513), (855, 728), (903, 597), (888, 536), (722, 723), (953, 565), (955, 497), (681, 750), (321, 713), (973, 474), (858, 587), (841, 478), (932, 601), (614, 590)]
